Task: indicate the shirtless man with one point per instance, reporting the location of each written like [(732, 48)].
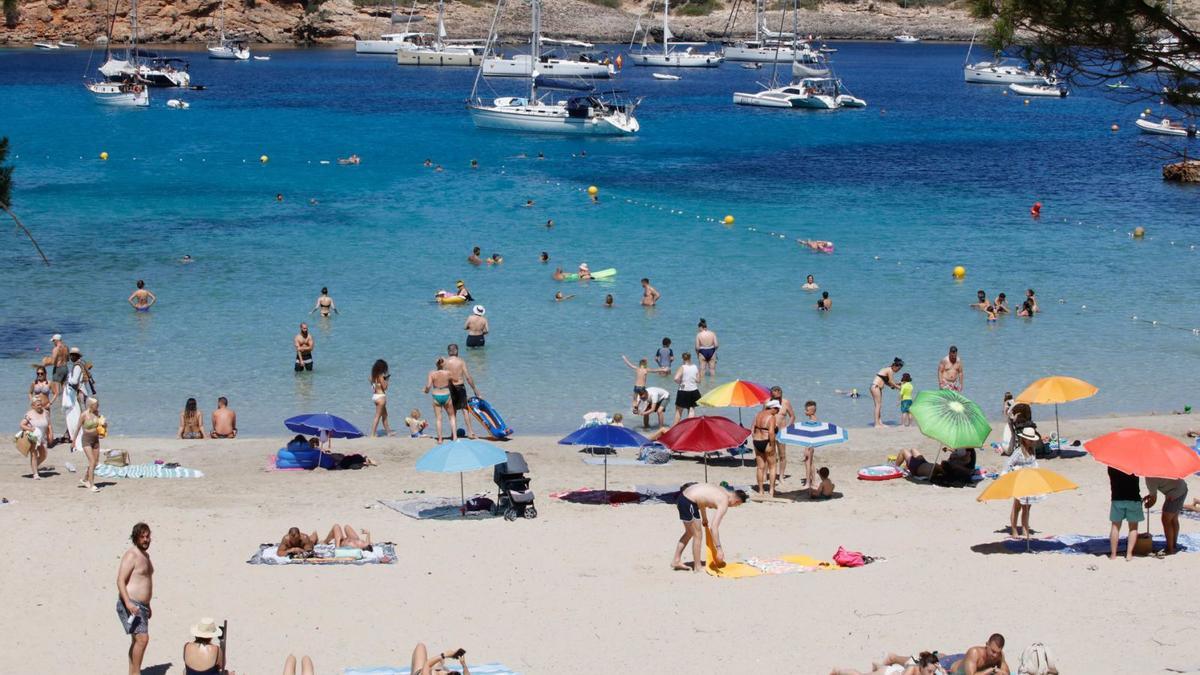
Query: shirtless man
[(706, 348), (985, 660), (296, 543), (58, 363), (786, 417), (135, 586), (950, 371), (981, 300), (324, 304), (303, 343), (474, 258), (458, 391), (1031, 298), (141, 300), (558, 274), (650, 294), (476, 326), (224, 420), (693, 503)]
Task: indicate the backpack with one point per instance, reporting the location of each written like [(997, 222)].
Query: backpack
[(1037, 660)]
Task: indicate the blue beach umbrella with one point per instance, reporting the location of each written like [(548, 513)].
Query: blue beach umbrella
[(813, 434), (459, 456), (317, 424), (605, 436)]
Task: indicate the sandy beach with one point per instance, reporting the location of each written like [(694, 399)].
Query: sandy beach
[(580, 589)]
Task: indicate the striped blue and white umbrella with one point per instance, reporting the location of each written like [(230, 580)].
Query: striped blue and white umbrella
[(813, 434)]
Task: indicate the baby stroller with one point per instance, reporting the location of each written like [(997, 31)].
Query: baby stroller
[(515, 498)]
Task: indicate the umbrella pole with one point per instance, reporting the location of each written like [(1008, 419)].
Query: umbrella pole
[(462, 494), (1057, 431), (606, 476), (706, 467)]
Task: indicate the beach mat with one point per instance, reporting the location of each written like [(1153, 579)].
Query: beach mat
[(150, 470), (434, 508), (757, 567), (481, 669), (384, 554), (621, 461), (1082, 544), (595, 496)]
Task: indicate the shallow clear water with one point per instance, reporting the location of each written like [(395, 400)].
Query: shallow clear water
[(933, 174)]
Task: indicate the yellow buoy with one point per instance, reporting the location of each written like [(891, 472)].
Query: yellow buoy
[(960, 272), (264, 159), (1115, 127), (104, 156), (593, 190), (1139, 232), (728, 220)]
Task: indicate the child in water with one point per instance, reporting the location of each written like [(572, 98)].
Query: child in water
[(416, 425), (906, 399)]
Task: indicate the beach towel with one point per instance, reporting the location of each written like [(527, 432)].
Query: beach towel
[(434, 508), (621, 461), (757, 567), (384, 554), (150, 470), (481, 669), (593, 496), (1083, 544)]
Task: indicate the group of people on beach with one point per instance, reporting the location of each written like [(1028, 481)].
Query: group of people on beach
[(72, 386)]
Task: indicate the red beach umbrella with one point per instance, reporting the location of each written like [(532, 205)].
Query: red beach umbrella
[(705, 433), (1144, 453)]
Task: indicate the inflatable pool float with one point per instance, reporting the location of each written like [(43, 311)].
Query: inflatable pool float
[(489, 417), (302, 457), (879, 472), (599, 274), (450, 299)]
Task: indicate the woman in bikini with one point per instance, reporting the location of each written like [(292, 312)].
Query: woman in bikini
[(379, 387), (423, 664), (763, 439), (41, 386), (36, 427), (438, 386), (90, 423), (191, 421), (344, 536), (884, 378)]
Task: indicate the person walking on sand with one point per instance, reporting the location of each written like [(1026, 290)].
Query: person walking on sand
[(379, 387), (135, 587), (706, 348), (884, 378), (303, 344), (90, 425), (460, 374), (324, 304), (650, 294), (693, 503), (476, 326), (37, 431), (41, 386), (75, 396), (640, 371), (224, 420), (785, 418), (687, 376), (439, 385), (58, 364), (950, 371), (141, 300), (763, 437)]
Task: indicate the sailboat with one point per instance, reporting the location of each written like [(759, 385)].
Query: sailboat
[(685, 58), (228, 49), (583, 114), (767, 46), (1000, 71), (438, 52), (522, 65), (146, 67), (130, 92)]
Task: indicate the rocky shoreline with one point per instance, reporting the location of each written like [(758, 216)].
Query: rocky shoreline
[(343, 21)]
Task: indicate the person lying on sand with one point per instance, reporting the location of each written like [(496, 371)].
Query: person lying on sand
[(925, 663), (693, 503), (911, 460), (987, 659), (422, 664), (295, 543), (344, 536), (306, 666)]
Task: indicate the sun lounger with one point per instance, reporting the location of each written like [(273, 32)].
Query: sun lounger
[(150, 470), (436, 508), (481, 669), (1082, 544), (325, 554)]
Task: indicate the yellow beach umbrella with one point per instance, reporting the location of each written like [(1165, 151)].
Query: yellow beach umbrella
[(1057, 389), (1026, 483)]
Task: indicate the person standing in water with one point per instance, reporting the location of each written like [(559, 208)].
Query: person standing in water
[(706, 348), (650, 294), (325, 304), (303, 343), (141, 300), (884, 378), (476, 327), (640, 371), (474, 258), (950, 371)]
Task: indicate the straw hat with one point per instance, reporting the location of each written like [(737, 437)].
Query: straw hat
[(205, 628), (24, 443)]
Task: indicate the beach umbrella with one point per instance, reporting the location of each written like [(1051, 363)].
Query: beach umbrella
[(950, 418), (460, 456), (704, 434), (1056, 389), (324, 426), (811, 434), (1144, 453), (1026, 483), (736, 394), (605, 436)]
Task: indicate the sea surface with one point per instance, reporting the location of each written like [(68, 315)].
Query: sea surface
[(934, 173)]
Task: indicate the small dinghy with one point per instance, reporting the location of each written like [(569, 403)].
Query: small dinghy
[(1038, 90), (178, 105), (1164, 128), (664, 76)]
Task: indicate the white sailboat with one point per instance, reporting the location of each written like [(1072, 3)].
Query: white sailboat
[(228, 49), (767, 46), (132, 91), (688, 57), (420, 51), (540, 112), (1000, 71), (906, 38), (146, 67), (523, 65)]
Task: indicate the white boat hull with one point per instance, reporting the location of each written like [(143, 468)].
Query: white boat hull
[(906, 39), (766, 54), (1038, 90), (984, 73), (45, 45), (1160, 128), (229, 54), (678, 60), (816, 102), (664, 76), (377, 46), (431, 57), (119, 95), (116, 69), (552, 119), (762, 100), (521, 66)]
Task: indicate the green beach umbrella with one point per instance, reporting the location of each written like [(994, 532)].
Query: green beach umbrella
[(950, 418)]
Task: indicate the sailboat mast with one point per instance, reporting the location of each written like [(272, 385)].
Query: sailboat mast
[(441, 27), (535, 46), (666, 28), (133, 28), (759, 21), (222, 31)]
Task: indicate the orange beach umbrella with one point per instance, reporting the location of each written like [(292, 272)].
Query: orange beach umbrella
[(1057, 389)]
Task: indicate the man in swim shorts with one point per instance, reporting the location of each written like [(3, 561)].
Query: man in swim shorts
[(706, 349), (653, 400), (950, 371), (135, 586), (58, 362), (693, 503), (303, 342), (650, 294), (986, 659), (224, 420), (476, 326), (141, 299), (459, 374)]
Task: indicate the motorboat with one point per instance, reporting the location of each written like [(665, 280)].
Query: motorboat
[(421, 50), (177, 104), (262, 58), (67, 45), (671, 56), (905, 38), (120, 94), (1164, 128), (46, 45), (1052, 90), (225, 48), (664, 76), (584, 113), (826, 49)]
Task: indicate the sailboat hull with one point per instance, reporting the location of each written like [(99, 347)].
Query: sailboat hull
[(551, 119), (229, 54), (750, 54), (522, 66), (673, 60), (432, 57), (119, 95)]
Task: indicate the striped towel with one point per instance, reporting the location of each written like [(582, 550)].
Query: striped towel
[(150, 470), (484, 669)]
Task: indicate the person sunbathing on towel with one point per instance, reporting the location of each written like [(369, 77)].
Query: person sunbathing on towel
[(422, 664), (911, 460), (296, 544), (693, 502), (925, 663), (344, 536), (983, 660)]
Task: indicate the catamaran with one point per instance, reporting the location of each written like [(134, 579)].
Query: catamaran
[(438, 51), (585, 113), (688, 57), (228, 49)]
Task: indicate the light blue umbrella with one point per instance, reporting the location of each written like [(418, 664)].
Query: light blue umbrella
[(460, 456), (811, 434)]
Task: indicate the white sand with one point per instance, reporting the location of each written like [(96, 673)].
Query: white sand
[(581, 589)]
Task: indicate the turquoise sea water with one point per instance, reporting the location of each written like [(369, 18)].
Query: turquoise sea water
[(933, 174)]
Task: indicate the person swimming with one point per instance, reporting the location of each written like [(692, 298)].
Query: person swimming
[(558, 274)]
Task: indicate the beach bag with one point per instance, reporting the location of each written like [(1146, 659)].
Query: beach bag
[(846, 558), (116, 458), (1037, 660), (480, 504), (24, 443)]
